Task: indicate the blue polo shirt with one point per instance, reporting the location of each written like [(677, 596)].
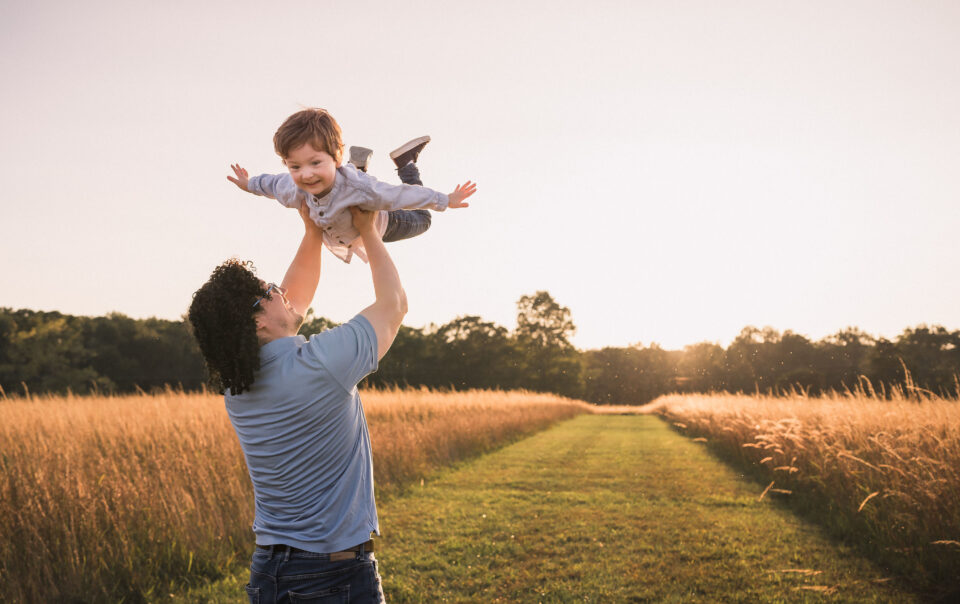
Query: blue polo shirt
[(304, 436)]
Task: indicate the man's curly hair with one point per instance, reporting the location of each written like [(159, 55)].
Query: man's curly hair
[(222, 315)]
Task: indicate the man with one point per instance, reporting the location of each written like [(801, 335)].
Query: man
[(295, 407)]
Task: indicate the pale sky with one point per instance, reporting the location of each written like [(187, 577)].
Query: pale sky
[(670, 171)]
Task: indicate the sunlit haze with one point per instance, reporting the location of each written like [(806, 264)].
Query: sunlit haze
[(671, 172)]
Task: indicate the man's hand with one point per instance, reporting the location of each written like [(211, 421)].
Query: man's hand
[(242, 178), (311, 227), (363, 220), (460, 193)]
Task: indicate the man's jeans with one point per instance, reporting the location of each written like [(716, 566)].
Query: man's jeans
[(404, 224), (283, 576)]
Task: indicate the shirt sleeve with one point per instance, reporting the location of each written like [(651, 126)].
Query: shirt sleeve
[(276, 186), (383, 196), (349, 352)]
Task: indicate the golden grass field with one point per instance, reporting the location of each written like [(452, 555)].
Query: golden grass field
[(112, 497), (127, 497), (883, 473)]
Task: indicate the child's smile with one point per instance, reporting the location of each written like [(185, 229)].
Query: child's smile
[(313, 171)]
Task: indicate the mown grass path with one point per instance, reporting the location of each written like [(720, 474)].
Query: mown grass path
[(601, 508), (610, 509)]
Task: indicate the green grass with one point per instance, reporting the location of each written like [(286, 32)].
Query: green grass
[(605, 509)]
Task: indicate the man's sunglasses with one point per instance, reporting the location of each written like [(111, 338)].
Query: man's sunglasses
[(273, 286)]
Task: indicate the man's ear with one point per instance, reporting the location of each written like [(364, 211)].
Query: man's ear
[(261, 328)]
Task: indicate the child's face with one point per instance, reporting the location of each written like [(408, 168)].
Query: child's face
[(313, 171)]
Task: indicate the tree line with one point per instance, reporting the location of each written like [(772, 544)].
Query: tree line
[(49, 352)]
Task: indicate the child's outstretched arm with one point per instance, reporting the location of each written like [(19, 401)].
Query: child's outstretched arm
[(383, 196), (242, 179), (461, 193), (274, 186)]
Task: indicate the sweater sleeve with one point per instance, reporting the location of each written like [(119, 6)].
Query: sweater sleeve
[(383, 196), (276, 186)]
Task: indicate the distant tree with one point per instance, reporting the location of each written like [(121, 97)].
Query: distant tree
[(745, 360), (797, 364), (884, 366), (476, 354), (628, 376), (702, 368), (411, 362), (542, 322), (142, 353), (8, 329), (843, 358), (932, 355), (110, 341), (176, 358), (610, 375), (53, 352), (46, 353), (550, 363)]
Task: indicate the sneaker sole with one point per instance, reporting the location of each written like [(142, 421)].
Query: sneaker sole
[(409, 145)]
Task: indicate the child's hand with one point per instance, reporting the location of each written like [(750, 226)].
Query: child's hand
[(242, 177), (363, 220), (460, 193)]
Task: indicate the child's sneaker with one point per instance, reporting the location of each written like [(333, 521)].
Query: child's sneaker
[(409, 151), (359, 157)]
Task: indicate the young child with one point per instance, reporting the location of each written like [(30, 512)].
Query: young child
[(310, 144)]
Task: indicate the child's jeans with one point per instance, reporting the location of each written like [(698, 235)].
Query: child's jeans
[(404, 224)]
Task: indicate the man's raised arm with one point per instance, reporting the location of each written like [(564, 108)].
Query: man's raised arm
[(386, 313), (304, 273)]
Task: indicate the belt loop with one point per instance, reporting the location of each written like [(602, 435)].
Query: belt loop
[(360, 550), (286, 555), (270, 550)]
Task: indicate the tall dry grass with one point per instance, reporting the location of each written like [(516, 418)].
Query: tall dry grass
[(117, 498), (881, 472)]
